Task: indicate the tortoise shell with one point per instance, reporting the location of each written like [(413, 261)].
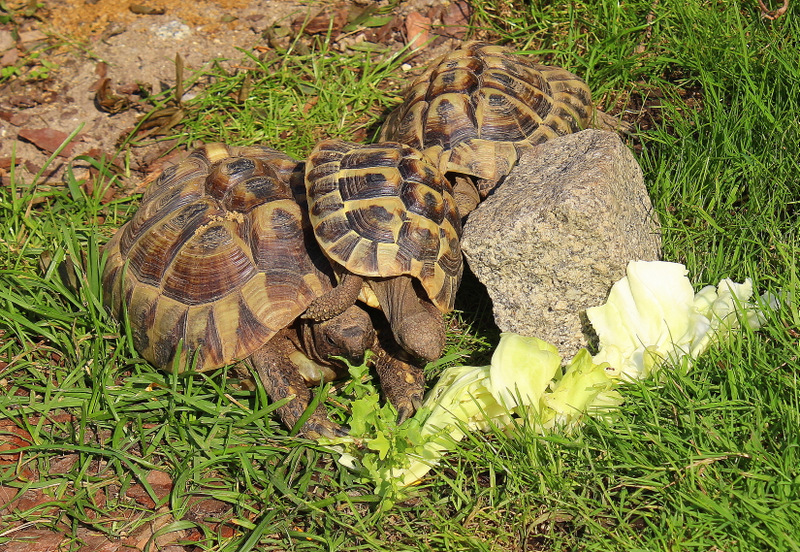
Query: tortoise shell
[(219, 256), (385, 210), (476, 109)]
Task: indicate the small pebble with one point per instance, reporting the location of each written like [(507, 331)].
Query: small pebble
[(172, 30), (406, 67)]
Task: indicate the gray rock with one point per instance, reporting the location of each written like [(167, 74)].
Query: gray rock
[(554, 236)]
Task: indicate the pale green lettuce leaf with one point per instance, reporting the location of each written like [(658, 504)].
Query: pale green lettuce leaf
[(462, 396), (460, 401), (521, 370), (584, 389), (649, 316), (652, 315), (475, 398)]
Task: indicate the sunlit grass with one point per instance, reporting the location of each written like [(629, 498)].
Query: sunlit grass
[(706, 461)]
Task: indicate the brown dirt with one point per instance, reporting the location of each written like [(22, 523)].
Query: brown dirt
[(86, 41), (83, 20)]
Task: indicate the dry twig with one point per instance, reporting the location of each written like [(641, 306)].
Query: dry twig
[(773, 15)]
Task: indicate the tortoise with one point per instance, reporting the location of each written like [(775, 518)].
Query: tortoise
[(477, 109), (386, 218), (218, 264)]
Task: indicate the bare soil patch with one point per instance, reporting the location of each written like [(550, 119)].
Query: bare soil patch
[(77, 47)]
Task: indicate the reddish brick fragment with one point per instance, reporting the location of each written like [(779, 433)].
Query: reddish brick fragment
[(48, 139)]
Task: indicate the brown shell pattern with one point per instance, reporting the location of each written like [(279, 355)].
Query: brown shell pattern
[(477, 108), (220, 256), (385, 210)]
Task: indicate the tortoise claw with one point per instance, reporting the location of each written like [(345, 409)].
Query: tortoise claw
[(403, 414), (402, 383), (406, 410), (325, 428)]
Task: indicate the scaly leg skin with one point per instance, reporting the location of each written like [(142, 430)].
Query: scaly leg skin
[(337, 300), (281, 379), (403, 383), (466, 195)]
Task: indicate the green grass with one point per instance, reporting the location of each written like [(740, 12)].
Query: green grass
[(290, 99), (707, 461)]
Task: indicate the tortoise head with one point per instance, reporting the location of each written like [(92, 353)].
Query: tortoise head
[(417, 325), (348, 335)]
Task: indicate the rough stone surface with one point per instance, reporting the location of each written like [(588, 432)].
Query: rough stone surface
[(554, 236)]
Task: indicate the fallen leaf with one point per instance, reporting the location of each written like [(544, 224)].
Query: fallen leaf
[(48, 139), (13, 438), (312, 101), (32, 498), (160, 482), (32, 167), (106, 100), (32, 36), (20, 119), (129, 89), (149, 537), (46, 540), (9, 58), (62, 464), (455, 19), (6, 40), (7, 495), (329, 18), (417, 30), (370, 16), (384, 33), (201, 508), (113, 29)]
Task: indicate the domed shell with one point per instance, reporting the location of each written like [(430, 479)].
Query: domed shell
[(384, 210), (476, 109), (219, 256)]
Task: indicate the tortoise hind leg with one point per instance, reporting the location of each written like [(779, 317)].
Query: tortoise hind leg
[(337, 300), (604, 121), (466, 194), (281, 379)]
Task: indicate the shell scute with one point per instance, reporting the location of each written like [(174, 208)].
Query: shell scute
[(208, 267), (374, 223)]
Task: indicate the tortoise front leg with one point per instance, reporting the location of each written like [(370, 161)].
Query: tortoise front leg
[(337, 300), (281, 379), (402, 382)]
